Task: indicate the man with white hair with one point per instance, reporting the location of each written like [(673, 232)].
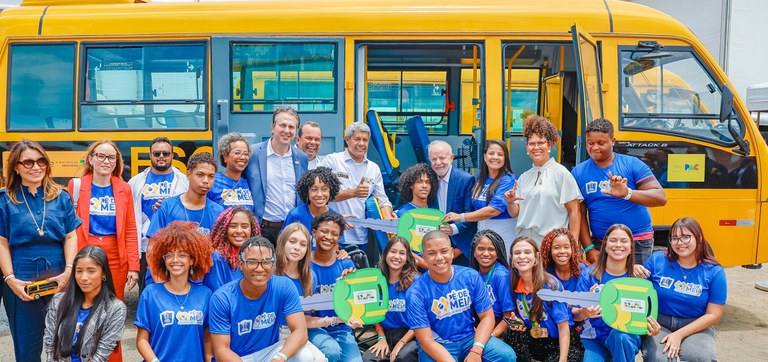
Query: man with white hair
[(359, 179), (454, 191)]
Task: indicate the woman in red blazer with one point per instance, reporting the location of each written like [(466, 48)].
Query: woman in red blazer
[(104, 202)]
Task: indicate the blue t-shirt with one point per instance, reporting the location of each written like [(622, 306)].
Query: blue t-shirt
[(102, 211), (228, 192), (606, 210), (571, 283), (297, 283), (498, 290), (396, 316), (301, 214), (175, 333), (447, 308), (173, 210), (554, 312), (686, 292), (17, 225), (326, 279), (155, 187), (81, 316), (594, 328), (221, 273), (253, 324), (497, 200)]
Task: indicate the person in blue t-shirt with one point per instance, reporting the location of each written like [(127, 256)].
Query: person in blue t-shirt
[(229, 187), (692, 291), (617, 189), (172, 316), (441, 304), (546, 332), (616, 260), (246, 313), (335, 338), (316, 188), (561, 257), (232, 228), (395, 341), (490, 259), (418, 189), (192, 205), (490, 208)]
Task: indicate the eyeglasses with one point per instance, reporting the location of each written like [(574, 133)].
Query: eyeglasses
[(253, 263), (239, 153), (683, 239), (540, 144), (178, 256), (328, 233), (29, 163), (102, 157), (161, 153)]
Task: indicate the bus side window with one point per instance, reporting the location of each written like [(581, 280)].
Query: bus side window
[(42, 84)]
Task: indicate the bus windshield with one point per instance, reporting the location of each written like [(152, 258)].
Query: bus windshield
[(670, 91)]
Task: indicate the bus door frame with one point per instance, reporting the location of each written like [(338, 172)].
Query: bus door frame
[(583, 45)]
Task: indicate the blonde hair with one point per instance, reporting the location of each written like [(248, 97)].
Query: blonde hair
[(88, 169), (281, 257)]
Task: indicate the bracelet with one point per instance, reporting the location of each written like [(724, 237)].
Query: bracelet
[(629, 194), (282, 356), (589, 247), (155, 360), (9, 276), (478, 344), (400, 341), (69, 266), (381, 337), (475, 352), (461, 218)]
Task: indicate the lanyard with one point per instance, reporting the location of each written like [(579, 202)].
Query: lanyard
[(488, 277), (527, 309)]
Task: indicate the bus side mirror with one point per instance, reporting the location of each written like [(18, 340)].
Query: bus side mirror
[(726, 103)]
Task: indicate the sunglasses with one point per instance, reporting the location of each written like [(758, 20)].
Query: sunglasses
[(161, 153), (29, 163)]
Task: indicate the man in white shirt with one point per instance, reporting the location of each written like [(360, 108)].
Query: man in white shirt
[(273, 171), (309, 139), (454, 191), (159, 181), (359, 179)]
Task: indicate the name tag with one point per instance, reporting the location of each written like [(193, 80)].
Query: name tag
[(342, 175)]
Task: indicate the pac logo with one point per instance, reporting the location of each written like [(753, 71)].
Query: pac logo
[(244, 327), (691, 167), (632, 305), (167, 318), (365, 296), (422, 230), (455, 302)]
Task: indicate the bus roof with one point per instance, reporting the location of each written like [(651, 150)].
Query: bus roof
[(302, 17)]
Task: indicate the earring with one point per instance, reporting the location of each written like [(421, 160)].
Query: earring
[(104, 279), (191, 270)]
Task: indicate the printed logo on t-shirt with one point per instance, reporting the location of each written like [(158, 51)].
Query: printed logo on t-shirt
[(192, 317), (666, 282), (264, 320), (204, 231), (342, 175), (591, 187), (104, 205), (156, 190), (455, 302), (368, 180), (236, 197), (77, 327), (491, 294), (397, 305), (688, 288), (325, 288), (167, 318), (605, 185), (244, 327)]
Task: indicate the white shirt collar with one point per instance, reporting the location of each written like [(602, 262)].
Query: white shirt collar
[(271, 151), (347, 157)]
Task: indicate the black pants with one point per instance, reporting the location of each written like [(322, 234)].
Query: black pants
[(142, 271), (543, 349), (409, 352)]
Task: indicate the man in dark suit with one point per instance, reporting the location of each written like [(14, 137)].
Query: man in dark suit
[(273, 171), (454, 191)]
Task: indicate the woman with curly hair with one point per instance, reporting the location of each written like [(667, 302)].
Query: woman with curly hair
[(232, 228), (172, 317), (546, 196), (229, 187), (396, 341), (561, 258), (418, 188), (546, 330), (490, 259), (316, 188)]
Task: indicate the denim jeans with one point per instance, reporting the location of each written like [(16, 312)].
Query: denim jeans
[(339, 345), (619, 346), (495, 350), (699, 346)]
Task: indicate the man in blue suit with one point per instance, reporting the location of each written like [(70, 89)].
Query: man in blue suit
[(273, 171), (454, 194)]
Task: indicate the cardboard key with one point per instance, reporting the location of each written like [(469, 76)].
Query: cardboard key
[(626, 302), (413, 225), (363, 294)]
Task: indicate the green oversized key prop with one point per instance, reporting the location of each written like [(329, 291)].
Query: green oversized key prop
[(413, 225), (626, 302), (363, 294)]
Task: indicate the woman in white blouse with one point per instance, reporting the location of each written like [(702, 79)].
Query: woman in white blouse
[(546, 197)]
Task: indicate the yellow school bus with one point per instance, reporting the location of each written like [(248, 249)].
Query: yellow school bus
[(72, 71)]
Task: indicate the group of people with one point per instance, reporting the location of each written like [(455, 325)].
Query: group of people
[(222, 258)]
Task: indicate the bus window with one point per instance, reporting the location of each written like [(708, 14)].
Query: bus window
[(521, 91), (399, 95), (41, 79), (139, 87), (266, 76), (670, 91)]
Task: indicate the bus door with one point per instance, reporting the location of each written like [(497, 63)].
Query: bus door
[(438, 81), (251, 77), (589, 85)]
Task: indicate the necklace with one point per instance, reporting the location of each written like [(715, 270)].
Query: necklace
[(40, 227), (182, 198), (442, 290), (181, 304), (682, 271)]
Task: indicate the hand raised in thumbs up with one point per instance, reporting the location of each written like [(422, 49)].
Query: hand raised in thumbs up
[(362, 189)]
